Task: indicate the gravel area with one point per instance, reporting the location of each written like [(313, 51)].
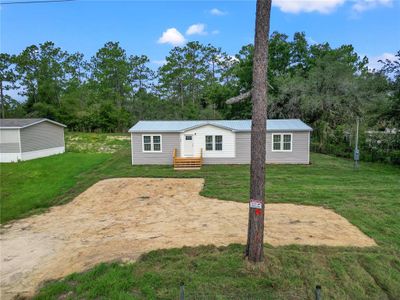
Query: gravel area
[(119, 219)]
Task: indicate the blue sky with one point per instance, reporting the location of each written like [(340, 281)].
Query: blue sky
[(153, 27)]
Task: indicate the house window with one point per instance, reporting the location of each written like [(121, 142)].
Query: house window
[(152, 143), (276, 142), (156, 143), (282, 142), (218, 142), (147, 143), (287, 142), (209, 142), (213, 142)]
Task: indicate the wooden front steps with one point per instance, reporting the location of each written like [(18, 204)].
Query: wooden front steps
[(187, 163)]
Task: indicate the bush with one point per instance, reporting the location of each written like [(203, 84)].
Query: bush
[(374, 147)]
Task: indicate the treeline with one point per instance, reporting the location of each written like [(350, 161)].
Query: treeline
[(329, 88), (112, 90)]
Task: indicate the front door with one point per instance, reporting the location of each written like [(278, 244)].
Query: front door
[(188, 145)]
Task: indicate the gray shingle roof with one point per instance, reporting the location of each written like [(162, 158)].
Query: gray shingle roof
[(22, 123), (234, 125)]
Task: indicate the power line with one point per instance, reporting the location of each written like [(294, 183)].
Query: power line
[(34, 2)]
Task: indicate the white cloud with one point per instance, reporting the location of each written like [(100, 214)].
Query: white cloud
[(298, 6), (196, 29), (216, 31), (217, 12), (363, 5), (373, 61), (172, 36), (312, 41), (326, 6)]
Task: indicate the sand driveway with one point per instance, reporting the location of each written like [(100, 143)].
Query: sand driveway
[(123, 218)]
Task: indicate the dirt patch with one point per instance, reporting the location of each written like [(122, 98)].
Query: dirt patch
[(123, 218)]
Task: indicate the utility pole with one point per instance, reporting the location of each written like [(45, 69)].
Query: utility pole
[(356, 151), (2, 100), (255, 231)]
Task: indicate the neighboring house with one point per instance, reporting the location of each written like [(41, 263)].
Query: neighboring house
[(24, 139), (218, 142)]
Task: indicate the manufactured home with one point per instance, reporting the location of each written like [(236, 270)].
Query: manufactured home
[(217, 142), (25, 139)]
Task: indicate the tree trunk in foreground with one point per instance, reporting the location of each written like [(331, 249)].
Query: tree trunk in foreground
[(255, 234)]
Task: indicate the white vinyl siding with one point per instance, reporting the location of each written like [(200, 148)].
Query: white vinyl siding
[(9, 141), (282, 142), (9, 136), (213, 141), (151, 143)]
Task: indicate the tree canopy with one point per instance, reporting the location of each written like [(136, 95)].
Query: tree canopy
[(326, 87)]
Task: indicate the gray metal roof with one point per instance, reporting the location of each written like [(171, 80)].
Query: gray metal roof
[(22, 123), (234, 125)]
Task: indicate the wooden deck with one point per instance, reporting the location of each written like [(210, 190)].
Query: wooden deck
[(188, 163)]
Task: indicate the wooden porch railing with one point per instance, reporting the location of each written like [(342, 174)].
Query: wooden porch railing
[(187, 163)]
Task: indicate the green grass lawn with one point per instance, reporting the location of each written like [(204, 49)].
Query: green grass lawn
[(31, 186), (369, 198)]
